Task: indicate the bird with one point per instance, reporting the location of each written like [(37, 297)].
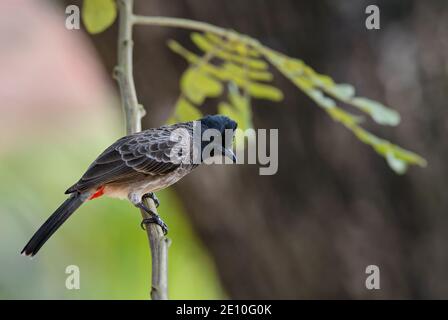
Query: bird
[(138, 165)]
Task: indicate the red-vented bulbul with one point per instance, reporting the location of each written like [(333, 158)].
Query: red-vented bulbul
[(135, 167)]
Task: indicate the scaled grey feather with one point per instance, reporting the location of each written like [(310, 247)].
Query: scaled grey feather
[(132, 157)]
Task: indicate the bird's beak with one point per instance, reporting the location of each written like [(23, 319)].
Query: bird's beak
[(227, 152)]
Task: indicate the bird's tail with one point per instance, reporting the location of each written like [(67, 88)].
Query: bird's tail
[(61, 214)]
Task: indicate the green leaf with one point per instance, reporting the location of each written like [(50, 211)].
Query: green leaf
[(251, 74), (197, 85), (346, 118), (263, 91), (321, 99), (343, 91), (98, 15), (398, 165), (234, 46), (379, 112), (397, 157), (206, 46), (327, 103)]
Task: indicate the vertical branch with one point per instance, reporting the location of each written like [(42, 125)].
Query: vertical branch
[(134, 112)]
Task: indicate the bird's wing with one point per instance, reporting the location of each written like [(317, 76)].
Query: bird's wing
[(150, 152)]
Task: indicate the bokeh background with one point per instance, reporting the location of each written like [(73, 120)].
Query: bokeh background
[(333, 208)]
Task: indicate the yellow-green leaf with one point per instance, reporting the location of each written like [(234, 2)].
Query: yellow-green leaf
[(251, 74), (321, 99), (397, 157), (343, 116), (380, 113), (197, 85), (398, 165), (98, 15), (206, 46), (264, 91), (232, 45), (342, 91)]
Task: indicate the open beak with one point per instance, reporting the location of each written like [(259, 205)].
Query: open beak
[(227, 152)]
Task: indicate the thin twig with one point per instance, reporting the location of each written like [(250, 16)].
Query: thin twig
[(195, 25), (134, 112), (180, 23)]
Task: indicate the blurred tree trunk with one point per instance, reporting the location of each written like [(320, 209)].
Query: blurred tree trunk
[(334, 207)]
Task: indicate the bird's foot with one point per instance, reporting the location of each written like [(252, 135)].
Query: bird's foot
[(157, 220), (153, 197), (154, 218)]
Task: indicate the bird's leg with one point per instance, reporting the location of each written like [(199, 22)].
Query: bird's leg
[(153, 197), (155, 218)]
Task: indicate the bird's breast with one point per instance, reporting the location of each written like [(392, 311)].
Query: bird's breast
[(145, 185)]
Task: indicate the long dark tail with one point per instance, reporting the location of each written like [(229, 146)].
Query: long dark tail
[(61, 214)]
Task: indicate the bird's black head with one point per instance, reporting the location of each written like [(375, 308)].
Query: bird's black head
[(218, 122), (222, 124)]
